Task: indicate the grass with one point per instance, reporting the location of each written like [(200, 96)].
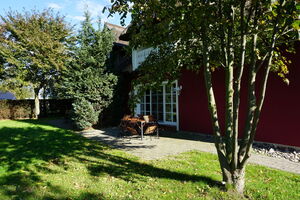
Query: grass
[(38, 161)]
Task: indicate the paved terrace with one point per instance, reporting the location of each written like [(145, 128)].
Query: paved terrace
[(175, 143)]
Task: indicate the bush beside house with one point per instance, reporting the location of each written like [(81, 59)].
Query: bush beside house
[(84, 114)]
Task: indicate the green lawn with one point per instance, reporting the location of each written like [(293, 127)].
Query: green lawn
[(38, 161)]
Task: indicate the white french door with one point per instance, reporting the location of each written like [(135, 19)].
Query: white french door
[(161, 103)]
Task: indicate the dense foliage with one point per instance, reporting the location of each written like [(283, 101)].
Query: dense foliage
[(88, 78), (33, 48), (20, 109), (204, 36), (84, 115), (20, 89)]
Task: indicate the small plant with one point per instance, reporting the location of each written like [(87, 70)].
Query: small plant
[(84, 115)]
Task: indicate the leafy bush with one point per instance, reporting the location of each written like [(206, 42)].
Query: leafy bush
[(84, 115), (16, 109), (24, 109)]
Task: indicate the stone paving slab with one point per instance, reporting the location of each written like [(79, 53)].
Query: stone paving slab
[(155, 148)]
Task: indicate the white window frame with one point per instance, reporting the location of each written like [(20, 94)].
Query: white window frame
[(138, 106)]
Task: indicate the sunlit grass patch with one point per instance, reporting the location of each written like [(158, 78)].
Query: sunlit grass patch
[(39, 161)]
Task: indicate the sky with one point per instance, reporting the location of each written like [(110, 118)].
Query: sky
[(72, 9)]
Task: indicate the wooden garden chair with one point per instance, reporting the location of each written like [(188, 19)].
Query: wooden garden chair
[(151, 126)]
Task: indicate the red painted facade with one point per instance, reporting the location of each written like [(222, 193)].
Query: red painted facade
[(280, 117)]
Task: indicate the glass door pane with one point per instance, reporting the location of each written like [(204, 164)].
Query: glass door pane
[(169, 103)]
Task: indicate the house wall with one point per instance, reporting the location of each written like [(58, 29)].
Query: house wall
[(280, 117), (139, 56)]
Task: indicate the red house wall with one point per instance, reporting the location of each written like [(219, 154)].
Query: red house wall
[(280, 117)]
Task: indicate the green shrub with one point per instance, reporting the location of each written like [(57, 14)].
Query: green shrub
[(84, 115), (24, 109), (16, 109)]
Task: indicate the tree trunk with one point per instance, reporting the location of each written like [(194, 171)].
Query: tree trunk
[(36, 103), (45, 111), (234, 179)]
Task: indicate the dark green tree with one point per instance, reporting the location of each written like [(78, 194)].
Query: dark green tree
[(89, 78), (33, 48), (206, 35)]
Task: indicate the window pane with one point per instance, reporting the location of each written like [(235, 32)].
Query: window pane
[(154, 99), (174, 98), (174, 108), (160, 108), (142, 108), (154, 114), (168, 89), (174, 117), (169, 117), (160, 117), (168, 98), (168, 107), (160, 99), (154, 108), (148, 107)]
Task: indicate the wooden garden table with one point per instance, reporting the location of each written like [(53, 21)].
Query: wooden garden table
[(135, 122)]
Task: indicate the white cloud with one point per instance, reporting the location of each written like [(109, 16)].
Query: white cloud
[(130, 4), (77, 18), (94, 8), (54, 6)]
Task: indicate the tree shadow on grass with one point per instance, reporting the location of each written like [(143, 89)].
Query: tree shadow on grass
[(131, 170), (27, 149)]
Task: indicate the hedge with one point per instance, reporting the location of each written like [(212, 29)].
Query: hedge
[(23, 109)]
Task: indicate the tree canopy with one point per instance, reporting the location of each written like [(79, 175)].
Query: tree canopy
[(21, 89), (34, 47), (204, 36)]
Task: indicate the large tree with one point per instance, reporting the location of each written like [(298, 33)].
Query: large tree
[(239, 37), (89, 79), (33, 47), (20, 89)]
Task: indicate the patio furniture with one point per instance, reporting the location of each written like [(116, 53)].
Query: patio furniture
[(150, 126), (126, 127), (137, 125)]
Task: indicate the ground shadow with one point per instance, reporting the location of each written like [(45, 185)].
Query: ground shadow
[(117, 133), (25, 150), (188, 136)]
